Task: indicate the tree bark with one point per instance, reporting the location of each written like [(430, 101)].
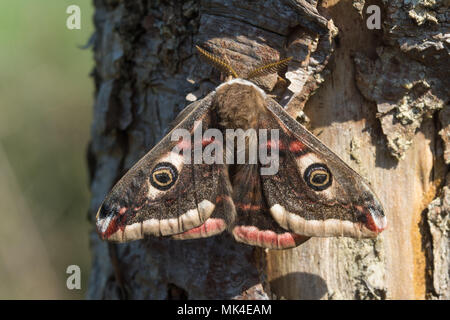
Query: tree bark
[(377, 98)]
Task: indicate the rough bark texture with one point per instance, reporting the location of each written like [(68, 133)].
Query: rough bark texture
[(375, 96)]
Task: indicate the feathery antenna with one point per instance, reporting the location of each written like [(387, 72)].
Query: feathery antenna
[(268, 68), (219, 63)]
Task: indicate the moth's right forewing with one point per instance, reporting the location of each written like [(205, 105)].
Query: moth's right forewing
[(161, 195)]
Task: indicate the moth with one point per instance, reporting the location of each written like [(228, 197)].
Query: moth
[(312, 192)]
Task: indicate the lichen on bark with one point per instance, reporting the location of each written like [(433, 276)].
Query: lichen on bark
[(406, 80)]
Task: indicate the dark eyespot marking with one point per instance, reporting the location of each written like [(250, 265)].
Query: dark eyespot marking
[(163, 176), (318, 176)]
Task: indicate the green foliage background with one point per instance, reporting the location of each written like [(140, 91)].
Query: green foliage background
[(46, 98)]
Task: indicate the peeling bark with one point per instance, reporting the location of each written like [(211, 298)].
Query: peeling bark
[(438, 219), (147, 71), (407, 80)]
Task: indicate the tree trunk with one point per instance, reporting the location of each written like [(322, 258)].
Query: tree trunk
[(380, 102)]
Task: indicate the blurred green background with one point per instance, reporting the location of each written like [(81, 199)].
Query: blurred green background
[(46, 98)]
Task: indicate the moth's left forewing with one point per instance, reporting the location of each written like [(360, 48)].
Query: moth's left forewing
[(314, 193)]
